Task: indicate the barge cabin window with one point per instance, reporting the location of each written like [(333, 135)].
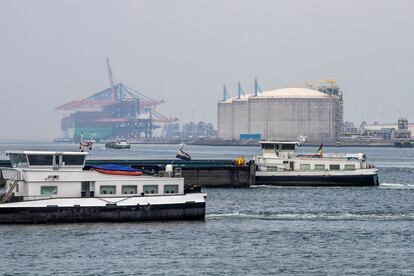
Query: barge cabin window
[(269, 146), (73, 160), (18, 160), (319, 167), (350, 167), (48, 190), (129, 189), (305, 167), (334, 167), (108, 190), (40, 159), (289, 146), (171, 189), (53, 159), (274, 146), (150, 189)]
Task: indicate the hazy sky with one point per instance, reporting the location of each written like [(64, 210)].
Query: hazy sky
[(52, 52)]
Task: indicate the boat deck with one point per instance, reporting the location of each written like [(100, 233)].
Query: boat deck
[(105, 201)]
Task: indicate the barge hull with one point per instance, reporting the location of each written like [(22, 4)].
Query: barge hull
[(108, 213), (331, 180)]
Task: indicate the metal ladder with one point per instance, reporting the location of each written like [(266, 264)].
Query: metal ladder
[(8, 189)]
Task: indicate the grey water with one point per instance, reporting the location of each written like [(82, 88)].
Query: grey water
[(257, 231)]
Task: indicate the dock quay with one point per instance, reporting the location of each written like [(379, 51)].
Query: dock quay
[(220, 173)]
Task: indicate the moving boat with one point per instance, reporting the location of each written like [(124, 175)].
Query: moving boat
[(119, 144), (280, 164), (51, 187)]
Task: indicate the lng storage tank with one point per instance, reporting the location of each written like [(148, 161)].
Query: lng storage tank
[(285, 113)]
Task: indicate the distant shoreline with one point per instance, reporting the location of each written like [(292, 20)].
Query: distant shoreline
[(219, 143)]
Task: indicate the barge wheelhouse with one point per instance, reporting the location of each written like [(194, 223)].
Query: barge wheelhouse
[(280, 164), (48, 186)]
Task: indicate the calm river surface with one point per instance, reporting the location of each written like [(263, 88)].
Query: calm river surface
[(256, 231)]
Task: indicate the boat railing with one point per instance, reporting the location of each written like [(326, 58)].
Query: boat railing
[(7, 191), (327, 156)]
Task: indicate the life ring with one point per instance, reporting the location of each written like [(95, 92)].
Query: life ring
[(135, 173)]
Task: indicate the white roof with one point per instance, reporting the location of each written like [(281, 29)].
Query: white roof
[(242, 98), (46, 152), (279, 142), (291, 92)]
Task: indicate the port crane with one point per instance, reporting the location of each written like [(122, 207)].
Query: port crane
[(118, 107)]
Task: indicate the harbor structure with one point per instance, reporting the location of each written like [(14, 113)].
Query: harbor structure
[(314, 111), (386, 131), (190, 130), (116, 112)]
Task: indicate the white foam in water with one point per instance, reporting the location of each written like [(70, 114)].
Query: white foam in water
[(388, 165), (396, 185), (313, 216), (283, 187)]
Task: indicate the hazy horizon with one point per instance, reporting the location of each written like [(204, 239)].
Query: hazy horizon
[(183, 52)]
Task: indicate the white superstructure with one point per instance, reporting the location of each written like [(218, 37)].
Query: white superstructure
[(48, 174), (279, 163), (50, 178)]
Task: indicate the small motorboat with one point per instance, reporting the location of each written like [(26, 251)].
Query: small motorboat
[(119, 144)]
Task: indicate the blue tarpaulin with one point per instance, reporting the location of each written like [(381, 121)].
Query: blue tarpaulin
[(113, 167)]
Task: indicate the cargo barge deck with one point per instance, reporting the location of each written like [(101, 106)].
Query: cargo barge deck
[(197, 173)]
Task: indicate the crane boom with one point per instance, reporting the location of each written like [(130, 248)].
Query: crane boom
[(111, 80)]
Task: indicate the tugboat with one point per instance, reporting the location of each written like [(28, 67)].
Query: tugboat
[(54, 187), (119, 144), (280, 164)]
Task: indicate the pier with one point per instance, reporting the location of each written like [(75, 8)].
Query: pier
[(196, 173)]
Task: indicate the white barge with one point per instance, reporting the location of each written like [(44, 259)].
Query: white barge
[(52, 187), (280, 164)]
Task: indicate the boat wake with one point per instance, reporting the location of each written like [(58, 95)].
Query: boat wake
[(313, 216), (396, 186)]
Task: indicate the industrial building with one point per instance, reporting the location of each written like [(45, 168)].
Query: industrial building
[(315, 112), (189, 130), (116, 112), (400, 130)]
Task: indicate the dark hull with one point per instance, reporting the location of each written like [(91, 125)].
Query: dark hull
[(354, 180), (109, 213), (405, 144)]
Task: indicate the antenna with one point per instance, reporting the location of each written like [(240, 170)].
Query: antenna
[(225, 93), (256, 87), (240, 91)]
